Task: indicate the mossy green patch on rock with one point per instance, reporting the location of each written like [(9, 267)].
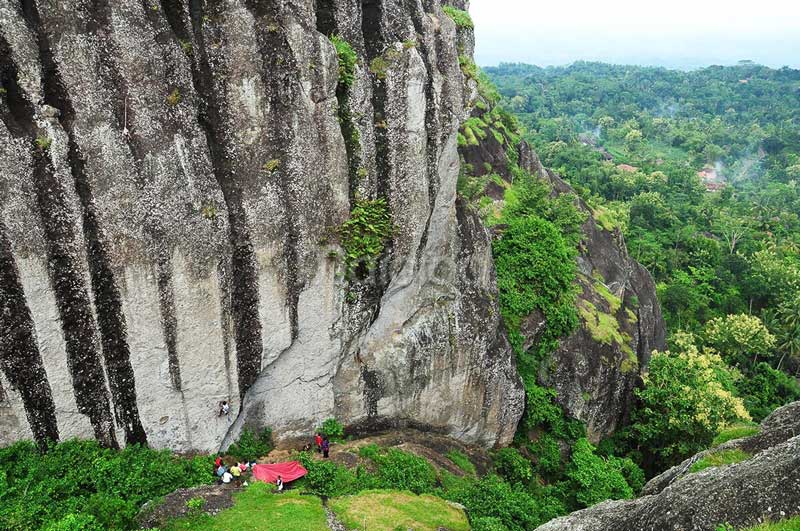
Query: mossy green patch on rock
[(604, 327), (605, 218), (614, 302)]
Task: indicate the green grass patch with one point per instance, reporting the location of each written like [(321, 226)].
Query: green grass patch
[(459, 16), (389, 510), (461, 461), (723, 457), (736, 431), (257, 508), (792, 524)]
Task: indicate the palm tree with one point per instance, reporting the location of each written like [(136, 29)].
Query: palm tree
[(788, 315)]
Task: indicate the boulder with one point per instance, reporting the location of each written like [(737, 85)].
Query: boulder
[(765, 487)]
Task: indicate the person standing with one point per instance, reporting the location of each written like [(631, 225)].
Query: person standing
[(279, 483), (318, 441), (326, 446)]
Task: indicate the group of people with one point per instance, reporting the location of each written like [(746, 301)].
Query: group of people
[(234, 473)]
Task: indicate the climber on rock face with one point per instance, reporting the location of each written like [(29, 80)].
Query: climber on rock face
[(224, 408)]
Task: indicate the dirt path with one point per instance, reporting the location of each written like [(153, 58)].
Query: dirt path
[(432, 446)]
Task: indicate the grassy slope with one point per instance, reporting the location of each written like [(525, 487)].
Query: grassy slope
[(258, 509), (389, 510)]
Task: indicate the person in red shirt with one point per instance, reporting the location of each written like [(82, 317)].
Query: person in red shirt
[(217, 463), (318, 441)]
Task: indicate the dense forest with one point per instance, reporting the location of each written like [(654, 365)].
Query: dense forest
[(699, 170)]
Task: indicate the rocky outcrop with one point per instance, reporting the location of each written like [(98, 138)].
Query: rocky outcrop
[(777, 428), (765, 487), (596, 368), (173, 175)]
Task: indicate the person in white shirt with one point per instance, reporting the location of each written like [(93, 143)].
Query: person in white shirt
[(279, 483)]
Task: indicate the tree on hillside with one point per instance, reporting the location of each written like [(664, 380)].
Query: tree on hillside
[(688, 396), (737, 337)]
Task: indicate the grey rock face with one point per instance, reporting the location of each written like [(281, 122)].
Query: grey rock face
[(172, 177), (765, 487)]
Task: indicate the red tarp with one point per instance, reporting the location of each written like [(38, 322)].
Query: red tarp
[(288, 471)]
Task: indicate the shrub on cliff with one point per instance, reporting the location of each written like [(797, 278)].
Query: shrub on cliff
[(459, 16)]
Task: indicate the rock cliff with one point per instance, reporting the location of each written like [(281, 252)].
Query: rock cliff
[(765, 487), (595, 369), (174, 174)]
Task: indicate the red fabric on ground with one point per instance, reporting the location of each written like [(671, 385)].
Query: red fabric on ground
[(288, 471)]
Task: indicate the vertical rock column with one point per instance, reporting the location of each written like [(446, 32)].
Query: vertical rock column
[(19, 356)]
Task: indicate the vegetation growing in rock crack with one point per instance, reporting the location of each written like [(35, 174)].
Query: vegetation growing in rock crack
[(347, 60), (364, 235)]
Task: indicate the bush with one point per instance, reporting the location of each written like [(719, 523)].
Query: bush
[(80, 484), (595, 478), (510, 464), (75, 522), (196, 504), (686, 400), (546, 454), (535, 271), (492, 498), (765, 389), (326, 478), (332, 429), (633, 474), (365, 234), (399, 470), (249, 446), (488, 524)]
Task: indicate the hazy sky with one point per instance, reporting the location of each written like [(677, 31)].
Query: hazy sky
[(676, 33)]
